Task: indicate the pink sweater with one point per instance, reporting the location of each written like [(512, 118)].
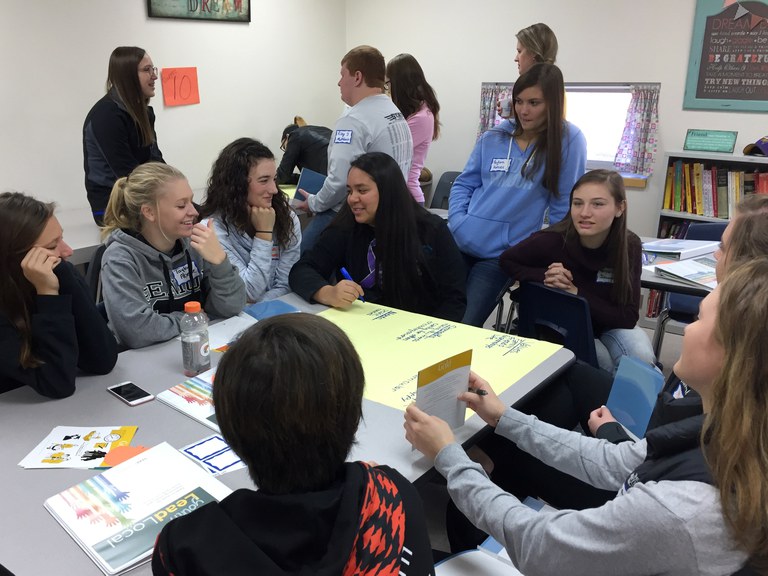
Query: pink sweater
[(422, 125)]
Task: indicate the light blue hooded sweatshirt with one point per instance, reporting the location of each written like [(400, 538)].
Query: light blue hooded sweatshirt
[(492, 206)]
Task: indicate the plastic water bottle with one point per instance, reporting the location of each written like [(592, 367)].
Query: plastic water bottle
[(194, 340)]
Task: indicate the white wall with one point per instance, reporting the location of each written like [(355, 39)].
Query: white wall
[(253, 79), (461, 44)]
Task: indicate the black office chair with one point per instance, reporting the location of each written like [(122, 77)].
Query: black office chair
[(93, 274), (680, 307), (556, 316), (443, 190)]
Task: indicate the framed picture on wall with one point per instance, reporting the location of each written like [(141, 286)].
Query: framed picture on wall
[(728, 63), (208, 10)]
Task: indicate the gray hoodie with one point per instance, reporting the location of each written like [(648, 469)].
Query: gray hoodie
[(142, 309), (661, 528)]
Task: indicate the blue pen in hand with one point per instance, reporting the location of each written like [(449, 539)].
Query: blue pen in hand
[(348, 276)]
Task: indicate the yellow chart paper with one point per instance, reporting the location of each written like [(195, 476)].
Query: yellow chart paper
[(394, 345)]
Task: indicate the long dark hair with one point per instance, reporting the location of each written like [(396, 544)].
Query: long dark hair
[(22, 220), (547, 148), (123, 78), (409, 88), (621, 291), (228, 190), (400, 261)]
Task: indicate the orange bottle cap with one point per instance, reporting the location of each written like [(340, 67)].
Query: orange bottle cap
[(192, 307)]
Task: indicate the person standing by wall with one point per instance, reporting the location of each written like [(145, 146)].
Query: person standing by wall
[(416, 99), (119, 131)]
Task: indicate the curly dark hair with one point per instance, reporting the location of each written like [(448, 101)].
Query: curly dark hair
[(228, 190)]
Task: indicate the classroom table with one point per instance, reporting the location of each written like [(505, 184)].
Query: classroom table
[(649, 279), (33, 542)]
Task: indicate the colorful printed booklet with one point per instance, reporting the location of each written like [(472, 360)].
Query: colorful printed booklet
[(696, 271), (78, 446), (116, 516), (194, 397)]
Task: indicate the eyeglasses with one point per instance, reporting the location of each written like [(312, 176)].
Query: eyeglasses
[(151, 70), (284, 143)]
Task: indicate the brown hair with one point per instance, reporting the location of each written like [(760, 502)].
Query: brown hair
[(409, 88), (540, 41), (22, 220), (369, 62), (123, 78), (735, 434), (617, 236), (288, 398), (547, 149)]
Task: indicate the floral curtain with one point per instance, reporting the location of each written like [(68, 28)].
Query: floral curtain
[(490, 94), (637, 149)]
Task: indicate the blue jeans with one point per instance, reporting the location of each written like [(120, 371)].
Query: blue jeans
[(613, 344), (485, 279), (316, 225)]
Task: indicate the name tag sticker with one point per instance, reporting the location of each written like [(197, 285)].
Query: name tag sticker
[(181, 273), (605, 276), (343, 137), (500, 165)]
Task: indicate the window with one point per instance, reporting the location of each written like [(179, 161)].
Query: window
[(600, 111)]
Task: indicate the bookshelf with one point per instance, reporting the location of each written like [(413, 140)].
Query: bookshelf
[(705, 186), (684, 199)]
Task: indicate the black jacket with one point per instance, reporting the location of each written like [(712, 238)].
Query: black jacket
[(307, 148), (112, 148), (68, 332), (370, 518), (340, 245)]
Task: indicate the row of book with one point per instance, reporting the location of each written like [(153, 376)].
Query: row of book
[(673, 228), (711, 191)]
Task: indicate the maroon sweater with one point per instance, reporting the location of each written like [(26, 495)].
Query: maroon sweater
[(591, 270)]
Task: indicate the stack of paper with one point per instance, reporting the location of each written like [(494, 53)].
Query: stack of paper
[(116, 516)]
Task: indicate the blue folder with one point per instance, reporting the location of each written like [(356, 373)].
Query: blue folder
[(268, 308), (309, 181), (633, 394)]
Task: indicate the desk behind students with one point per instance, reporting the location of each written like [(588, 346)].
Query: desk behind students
[(27, 419)]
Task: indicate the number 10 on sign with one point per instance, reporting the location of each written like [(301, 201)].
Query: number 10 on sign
[(180, 86)]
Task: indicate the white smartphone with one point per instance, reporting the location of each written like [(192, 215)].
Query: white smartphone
[(129, 393)]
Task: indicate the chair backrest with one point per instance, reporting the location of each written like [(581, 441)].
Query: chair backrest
[(443, 190), (689, 305), (93, 274), (557, 316)]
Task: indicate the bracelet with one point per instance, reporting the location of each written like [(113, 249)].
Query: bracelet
[(263, 231)]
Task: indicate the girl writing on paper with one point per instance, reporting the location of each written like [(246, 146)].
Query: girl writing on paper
[(157, 258), (518, 172), (49, 324), (257, 229), (694, 489), (393, 251), (591, 253), (416, 99), (119, 131)]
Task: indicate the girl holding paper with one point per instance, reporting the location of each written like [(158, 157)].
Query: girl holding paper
[(397, 253), (591, 253), (257, 229), (694, 489)]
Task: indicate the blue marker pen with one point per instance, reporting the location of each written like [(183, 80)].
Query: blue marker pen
[(348, 276)]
